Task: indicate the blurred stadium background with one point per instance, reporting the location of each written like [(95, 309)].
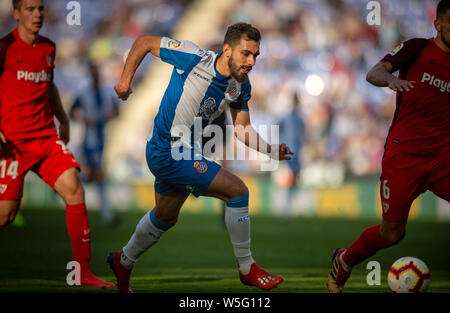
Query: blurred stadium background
[(320, 49)]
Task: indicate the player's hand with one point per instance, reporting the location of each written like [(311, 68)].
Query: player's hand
[(123, 91), (280, 152), (64, 132), (401, 85), (2, 140)]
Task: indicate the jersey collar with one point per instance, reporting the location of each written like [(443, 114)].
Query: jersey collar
[(19, 39)]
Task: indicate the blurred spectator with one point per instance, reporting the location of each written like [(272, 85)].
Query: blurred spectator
[(93, 108), (292, 133)]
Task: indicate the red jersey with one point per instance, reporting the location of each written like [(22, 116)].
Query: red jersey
[(26, 72), (421, 123)]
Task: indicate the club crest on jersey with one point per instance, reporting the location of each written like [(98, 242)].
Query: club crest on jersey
[(396, 49), (49, 60), (385, 206), (3, 188), (232, 90), (175, 44), (201, 167)]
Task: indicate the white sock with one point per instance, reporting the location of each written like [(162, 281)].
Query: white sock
[(148, 232), (344, 265), (245, 264), (237, 221)]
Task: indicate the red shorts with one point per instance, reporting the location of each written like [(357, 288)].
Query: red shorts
[(405, 176), (48, 157)]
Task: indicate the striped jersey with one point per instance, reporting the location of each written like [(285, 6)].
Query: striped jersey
[(196, 92)]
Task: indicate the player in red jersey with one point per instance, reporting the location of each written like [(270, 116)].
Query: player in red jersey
[(417, 150), (29, 101)]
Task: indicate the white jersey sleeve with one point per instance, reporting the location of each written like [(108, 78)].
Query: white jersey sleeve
[(181, 54)]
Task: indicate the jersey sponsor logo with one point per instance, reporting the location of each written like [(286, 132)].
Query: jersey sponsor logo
[(174, 44), (436, 82), (232, 90), (201, 167), (396, 49), (36, 77), (201, 76), (203, 53)]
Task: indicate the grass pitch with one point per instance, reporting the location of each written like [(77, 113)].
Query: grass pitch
[(196, 255)]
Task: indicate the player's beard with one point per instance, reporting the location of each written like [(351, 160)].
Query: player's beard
[(234, 69)]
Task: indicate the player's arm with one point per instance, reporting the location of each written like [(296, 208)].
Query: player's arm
[(245, 132), (142, 45), (400, 58), (58, 110), (2, 136), (380, 75)]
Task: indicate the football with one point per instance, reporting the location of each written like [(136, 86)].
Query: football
[(409, 275)]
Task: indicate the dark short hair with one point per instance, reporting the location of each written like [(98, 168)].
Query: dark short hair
[(16, 4), (236, 31), (442, 7)]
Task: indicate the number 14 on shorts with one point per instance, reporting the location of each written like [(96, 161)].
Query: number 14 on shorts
[(9, 170)]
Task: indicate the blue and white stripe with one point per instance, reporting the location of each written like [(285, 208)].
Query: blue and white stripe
[(196, 90)]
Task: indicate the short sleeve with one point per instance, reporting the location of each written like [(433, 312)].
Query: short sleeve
[(5, 42), (181, 54), (406, 53), (242, 102)]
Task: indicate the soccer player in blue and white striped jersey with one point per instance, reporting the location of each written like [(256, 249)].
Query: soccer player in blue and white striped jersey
[(202, 85)]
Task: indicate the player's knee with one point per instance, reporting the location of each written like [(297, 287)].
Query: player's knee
[(69, 186), (5, 220), (7, 216), (393, 237), (167, 217), (73, 193), (238, 189)]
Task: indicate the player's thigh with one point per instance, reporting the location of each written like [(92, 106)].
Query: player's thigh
[(181, 171), (440, 175), (8, 211), (168, 206), (68, 186), (60, 170), (226, 186), (392, 232), (403, 179), (15, 162), (441, 188)]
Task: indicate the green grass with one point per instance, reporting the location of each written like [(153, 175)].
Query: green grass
[(196, 255)]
